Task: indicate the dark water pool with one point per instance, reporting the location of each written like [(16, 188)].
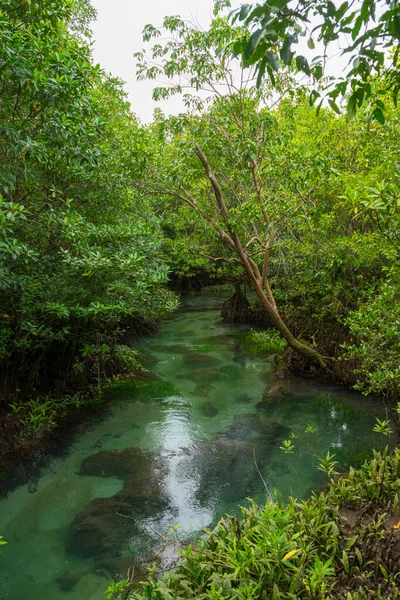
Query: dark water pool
[(184, 450)]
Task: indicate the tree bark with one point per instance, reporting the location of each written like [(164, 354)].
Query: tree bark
[(258, 279)]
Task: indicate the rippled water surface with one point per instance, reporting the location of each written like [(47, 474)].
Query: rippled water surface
[(183, 449)]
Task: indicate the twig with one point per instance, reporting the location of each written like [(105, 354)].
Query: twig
[(260, 474)]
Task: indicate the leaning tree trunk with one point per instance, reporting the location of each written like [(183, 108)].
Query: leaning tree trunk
[(257, 277), (269, 305)]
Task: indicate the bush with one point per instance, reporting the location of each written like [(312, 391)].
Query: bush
[(375, 327)]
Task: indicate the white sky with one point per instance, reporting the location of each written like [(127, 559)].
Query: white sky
[(117, 35)]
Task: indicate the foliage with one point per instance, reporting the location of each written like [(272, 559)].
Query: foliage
[(375, 326), (366, 31), (223, 288), (80, 255), (41, 414), (301, 550), (268, 341), (117, 588), (308, 204), (129, 357)]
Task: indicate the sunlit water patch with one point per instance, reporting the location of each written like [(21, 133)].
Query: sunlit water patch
[(184, 449)]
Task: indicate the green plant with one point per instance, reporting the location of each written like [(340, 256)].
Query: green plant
[(383, 427), (129, 357), (117, 589), (319, 576), (310, 428), (272, 30), (297, 550), (269, 341), (327, 464), (287, 446)]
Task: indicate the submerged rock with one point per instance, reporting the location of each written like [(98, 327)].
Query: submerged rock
[(242, 399), (275, 390), (231, 372), (170, 348), (224, 471), (274, 394), (254, 428), (199, 360), (141, 375), (67, 581), (105, 524), (208, 409), (281, 369), (227, 468), (203, 389), (202, 376)]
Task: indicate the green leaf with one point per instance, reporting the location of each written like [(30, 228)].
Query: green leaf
[(357, 27), (313, 97), (276, 595), (317, 72), (244, 11), (256, 37), (286, 53), (302, 64), (271, 75), (273, 59), (378, 115), (352, 106), (261, 70), (334, 106), (319, 108)]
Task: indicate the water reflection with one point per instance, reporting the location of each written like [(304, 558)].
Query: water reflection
[(185, 448)]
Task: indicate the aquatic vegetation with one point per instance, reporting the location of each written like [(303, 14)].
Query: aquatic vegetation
[(208, 409), (341, 543), (269, 341), (143, 391)]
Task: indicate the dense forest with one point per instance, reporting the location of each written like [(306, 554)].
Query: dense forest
[(276, 180), (100, 213)]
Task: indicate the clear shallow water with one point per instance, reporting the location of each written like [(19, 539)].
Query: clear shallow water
[(185, 449)]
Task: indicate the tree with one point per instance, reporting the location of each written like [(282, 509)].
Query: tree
[(80, 254), (224, 163), (368, 29)]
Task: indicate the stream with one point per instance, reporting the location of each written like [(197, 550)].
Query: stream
[(184, 449)]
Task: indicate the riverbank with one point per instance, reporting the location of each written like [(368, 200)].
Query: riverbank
[(184, 449), (347, 364), (343, 543), (33, 418)]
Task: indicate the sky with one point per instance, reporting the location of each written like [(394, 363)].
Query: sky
[(117, 35)]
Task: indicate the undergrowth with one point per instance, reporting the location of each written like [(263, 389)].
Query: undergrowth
[(268, 341), (44, 412), (343, 543)]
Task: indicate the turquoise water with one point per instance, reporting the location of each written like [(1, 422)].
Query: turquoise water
[(183, 449)]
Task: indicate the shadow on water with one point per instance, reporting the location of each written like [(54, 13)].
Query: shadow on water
[(188, 445)]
